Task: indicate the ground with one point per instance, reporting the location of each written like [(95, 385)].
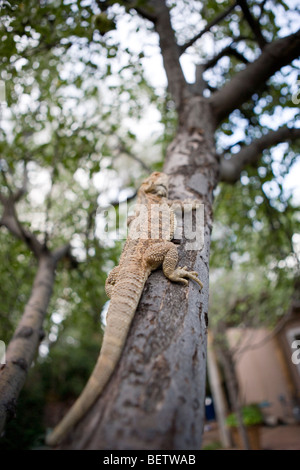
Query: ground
[(283, 437)]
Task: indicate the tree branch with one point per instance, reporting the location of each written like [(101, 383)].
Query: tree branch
[(262, 9), (231, 169), (2, 198), (207, 28), (158, 12), (293, 307), (170, 52), (11, 222), (240, 88), (249, 347), (61, 252), (227, 51), (253, 23), (145, 9), (123, 149), (20, 192)]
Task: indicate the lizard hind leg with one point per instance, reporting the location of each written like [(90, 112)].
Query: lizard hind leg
[(166, 253), (178, 274)]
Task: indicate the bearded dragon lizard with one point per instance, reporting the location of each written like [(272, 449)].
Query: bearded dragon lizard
[(148, 246)]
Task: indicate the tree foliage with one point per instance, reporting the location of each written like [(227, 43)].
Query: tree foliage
[(76, 95)]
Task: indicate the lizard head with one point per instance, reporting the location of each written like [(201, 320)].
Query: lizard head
[(157, 184)]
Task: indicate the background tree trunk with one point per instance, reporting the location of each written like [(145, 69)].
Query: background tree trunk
[(156, 395), (22, 347), (233, 390), (217, 392)]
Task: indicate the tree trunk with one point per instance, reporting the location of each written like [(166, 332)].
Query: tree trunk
[(233, 390), (22, 348), (217, 392), (155, 399)]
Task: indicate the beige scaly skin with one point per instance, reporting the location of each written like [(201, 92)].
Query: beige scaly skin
[(148, 246)]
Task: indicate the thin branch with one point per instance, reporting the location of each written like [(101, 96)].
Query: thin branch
[(11, 222), (123, 149), (170, 52), (242, 37), (54, 173), (229, 147), (253, 23), (145, 9), (227, 51), (22, 191), (158, 12), (280, 325), (117, 203), (241, 87), (262, 9), (127, 199), (207, 28), (6, 182), (249, 155), (61, 252)]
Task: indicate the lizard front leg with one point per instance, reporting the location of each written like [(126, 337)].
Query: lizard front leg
[(166, 253), (111, 281)]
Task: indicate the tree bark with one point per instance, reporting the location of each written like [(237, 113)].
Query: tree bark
[(233, 390), (22, 347), (240, 88), (155, 399), (217, 392)]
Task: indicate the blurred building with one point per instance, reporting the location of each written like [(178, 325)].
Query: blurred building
[(268, 368)]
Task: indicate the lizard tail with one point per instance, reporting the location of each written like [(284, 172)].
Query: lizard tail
[(119, 317)]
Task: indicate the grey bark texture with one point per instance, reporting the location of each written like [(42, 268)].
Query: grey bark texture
[(215, 382), (23, 346), (226, 360)]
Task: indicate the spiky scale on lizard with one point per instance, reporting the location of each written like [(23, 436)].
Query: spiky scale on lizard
[(148, 246)]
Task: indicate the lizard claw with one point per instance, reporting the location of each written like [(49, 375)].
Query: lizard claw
[(180, 274), (194, 273)]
